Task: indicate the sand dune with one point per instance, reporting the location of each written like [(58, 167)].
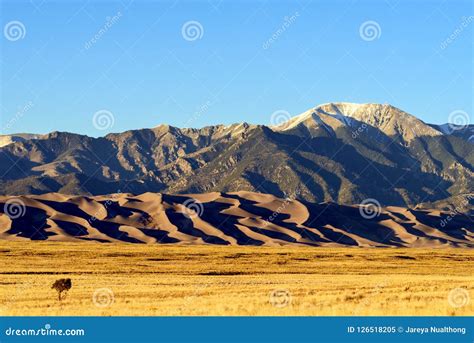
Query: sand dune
[(240, 218)]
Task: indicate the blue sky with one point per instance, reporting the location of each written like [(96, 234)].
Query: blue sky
[(144, 71)]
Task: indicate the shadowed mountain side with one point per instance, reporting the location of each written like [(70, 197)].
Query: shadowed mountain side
[(240, 218), (336, 152)]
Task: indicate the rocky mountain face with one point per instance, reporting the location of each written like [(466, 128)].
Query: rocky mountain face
[(337, 152)]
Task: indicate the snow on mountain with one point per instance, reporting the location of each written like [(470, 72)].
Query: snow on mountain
[(20, 137), (386, 118)]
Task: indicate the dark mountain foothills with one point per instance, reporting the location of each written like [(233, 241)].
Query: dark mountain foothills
[(338, 152), (239, 218)]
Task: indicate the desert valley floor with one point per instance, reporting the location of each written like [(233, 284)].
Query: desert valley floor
[(151, 279), (237, 253)]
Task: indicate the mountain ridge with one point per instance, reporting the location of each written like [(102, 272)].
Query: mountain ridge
[(337, 152), (441, 128)]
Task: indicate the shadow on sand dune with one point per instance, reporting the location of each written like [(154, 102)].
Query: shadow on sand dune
[(108, 228), (235, 218), (31, 225)]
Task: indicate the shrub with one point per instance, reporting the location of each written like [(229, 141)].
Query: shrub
[(62, 285)]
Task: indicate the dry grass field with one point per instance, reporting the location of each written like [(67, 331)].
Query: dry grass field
[(131, 279)]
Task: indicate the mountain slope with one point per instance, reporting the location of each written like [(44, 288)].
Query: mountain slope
[(336, 152)]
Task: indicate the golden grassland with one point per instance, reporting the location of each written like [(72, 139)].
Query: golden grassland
[(130, 279)]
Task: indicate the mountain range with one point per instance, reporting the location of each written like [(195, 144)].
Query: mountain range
[(337, 152)]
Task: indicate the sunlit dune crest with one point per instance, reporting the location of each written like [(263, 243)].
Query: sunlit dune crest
[(239, 218)]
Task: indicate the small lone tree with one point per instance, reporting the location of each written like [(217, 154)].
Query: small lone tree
[(62, 285)]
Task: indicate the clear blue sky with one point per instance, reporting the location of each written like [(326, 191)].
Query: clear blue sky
[(145, 73)]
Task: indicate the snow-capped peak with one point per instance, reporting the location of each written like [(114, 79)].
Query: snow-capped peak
[(384, 117)]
